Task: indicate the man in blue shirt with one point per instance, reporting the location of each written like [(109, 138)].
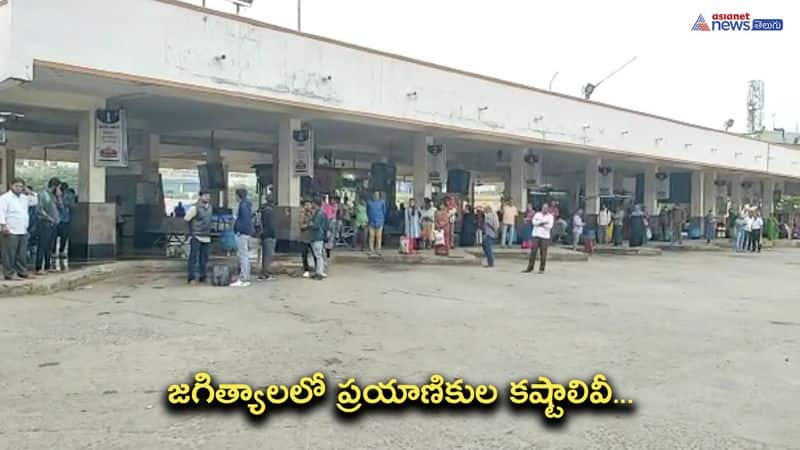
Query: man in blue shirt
[(376, 216), (319, 230), (243, 227)]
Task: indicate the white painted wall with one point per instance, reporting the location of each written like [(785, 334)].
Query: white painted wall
[(5, 41), (149, 38)]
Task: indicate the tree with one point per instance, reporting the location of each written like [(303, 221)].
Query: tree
[(37, 173)]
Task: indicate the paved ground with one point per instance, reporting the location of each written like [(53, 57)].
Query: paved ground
[(705, 343)]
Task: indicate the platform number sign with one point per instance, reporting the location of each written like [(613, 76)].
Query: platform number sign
[(303, 152), (111, 138)]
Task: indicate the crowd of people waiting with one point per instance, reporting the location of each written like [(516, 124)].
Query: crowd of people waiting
[(34, 228)]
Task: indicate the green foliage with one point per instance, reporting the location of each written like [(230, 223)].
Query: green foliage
[(38, 173)]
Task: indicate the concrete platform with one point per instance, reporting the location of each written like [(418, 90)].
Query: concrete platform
[(73, 276), (77, 275), (554, 253), (624, 250), (691, 246), (457, 257), (785, 243)]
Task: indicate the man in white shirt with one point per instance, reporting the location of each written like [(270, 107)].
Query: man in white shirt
[(748, 229), (14, 231), (542, 224), (577, 229), (509, 212), (755, 233), (603, 220)]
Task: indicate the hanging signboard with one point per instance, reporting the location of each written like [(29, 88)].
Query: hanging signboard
[(662, 186), (606, 182), (303, 152), (437, 163), (533, 170), (722, 188), (111, 138)]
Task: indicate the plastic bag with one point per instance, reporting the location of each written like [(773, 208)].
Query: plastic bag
[(438, 237), (404, 246)]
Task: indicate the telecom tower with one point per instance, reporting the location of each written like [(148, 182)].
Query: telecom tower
[(755, 106)]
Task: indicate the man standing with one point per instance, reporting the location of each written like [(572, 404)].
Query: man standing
[(14, 231), (509, 220), (663, 224), (198, 219), (755, 234), (603, 220), (376, 215), (267, 239), (306, 217), (678, 218), (63, 228), (490, 225), (748, 228), (243, 227), (619, 223), (319, 228), (48, 219), (577, 229), (710, 226), (542, 224), (360, 221)]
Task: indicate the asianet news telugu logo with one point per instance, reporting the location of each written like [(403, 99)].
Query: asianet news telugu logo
[(736, 22)]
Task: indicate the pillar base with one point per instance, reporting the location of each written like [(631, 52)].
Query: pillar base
[(287, 222), (93, 233), (696, 227)]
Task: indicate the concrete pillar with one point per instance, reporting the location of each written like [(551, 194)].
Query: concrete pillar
[(93, 233), (225, 193), (651, 190), (91, 179), (419, 156), (592, 189), (710, 199), (8, 161), (736, 192), (518, 186), (768, 208), (534, 175), (137, 186), (214, 156), (618, 181), (696, 204), (288, 185), (151, 157)]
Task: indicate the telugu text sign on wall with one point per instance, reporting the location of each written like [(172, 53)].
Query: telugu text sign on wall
[(111, 139)]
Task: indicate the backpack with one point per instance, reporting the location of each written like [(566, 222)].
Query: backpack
[(221, 275)]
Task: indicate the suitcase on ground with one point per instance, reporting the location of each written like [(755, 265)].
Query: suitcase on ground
[(221, 275)]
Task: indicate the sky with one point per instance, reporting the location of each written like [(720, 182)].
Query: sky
[(697, 77)]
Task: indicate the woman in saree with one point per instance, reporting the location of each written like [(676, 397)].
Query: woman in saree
[(413, 223), (527, 227)]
